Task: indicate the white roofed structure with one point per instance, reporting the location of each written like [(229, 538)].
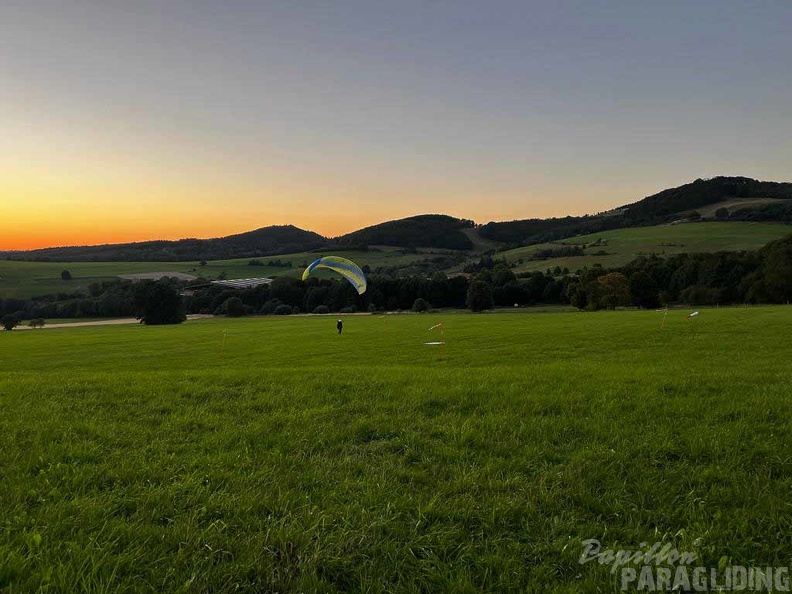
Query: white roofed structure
[(242, 283)]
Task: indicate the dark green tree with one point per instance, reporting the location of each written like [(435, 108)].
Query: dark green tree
[(288, 290), (9, 321), (722, 213), (576, 294), (777, 270), (479, 296), (614, 290), (234, 308), (66, 275), (645, 292), (501, 276), (163, 305)]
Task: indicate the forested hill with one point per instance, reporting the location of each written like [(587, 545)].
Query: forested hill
[(430, 231), (773, 202), (261, 242), (722, 198), (702, 193)]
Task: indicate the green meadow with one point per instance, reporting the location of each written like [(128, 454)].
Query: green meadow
[(274, 455), (23, 279), (620, 246)]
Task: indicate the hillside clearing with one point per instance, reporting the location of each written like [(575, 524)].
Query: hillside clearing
[(618, 247)]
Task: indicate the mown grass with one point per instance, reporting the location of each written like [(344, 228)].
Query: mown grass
[(272, 454), (624, 245)]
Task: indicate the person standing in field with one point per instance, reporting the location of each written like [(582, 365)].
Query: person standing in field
[(340, 326)]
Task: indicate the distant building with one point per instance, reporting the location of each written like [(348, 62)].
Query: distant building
[(242, 283)]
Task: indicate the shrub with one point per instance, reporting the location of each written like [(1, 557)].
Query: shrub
[(421, 305), (283, 310), (321, 309), (349, 309)]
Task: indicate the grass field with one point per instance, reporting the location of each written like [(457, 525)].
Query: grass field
[(30, 279), (624, 245), (271, 454)]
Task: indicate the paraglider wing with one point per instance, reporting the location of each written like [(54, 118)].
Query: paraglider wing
[(346, 268)]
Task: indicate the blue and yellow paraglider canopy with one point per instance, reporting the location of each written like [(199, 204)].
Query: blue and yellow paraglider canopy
[(346, 268)]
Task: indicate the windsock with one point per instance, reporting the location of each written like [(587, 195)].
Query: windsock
[(441, 342)]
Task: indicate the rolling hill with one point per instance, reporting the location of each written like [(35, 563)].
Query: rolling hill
[(423, 231), (266, 241), (428, 231), (663, 207)]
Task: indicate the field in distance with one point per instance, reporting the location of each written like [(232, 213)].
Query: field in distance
[(620, 246), (19, 279), (263, 454)]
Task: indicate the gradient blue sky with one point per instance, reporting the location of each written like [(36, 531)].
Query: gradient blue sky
[(135, 120)]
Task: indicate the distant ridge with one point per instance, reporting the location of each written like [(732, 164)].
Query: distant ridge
[(430, 231), (663, 207), (743, 199), (279, 239)]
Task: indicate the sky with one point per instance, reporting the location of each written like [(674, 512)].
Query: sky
[(135, 120)]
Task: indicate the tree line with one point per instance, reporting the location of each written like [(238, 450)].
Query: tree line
[(721, 278)]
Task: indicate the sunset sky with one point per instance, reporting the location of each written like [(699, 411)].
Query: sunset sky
[(126, 121)]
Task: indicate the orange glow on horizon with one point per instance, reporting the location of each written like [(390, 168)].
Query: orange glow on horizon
[(60, 208), (27, 227), (28, 233)]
